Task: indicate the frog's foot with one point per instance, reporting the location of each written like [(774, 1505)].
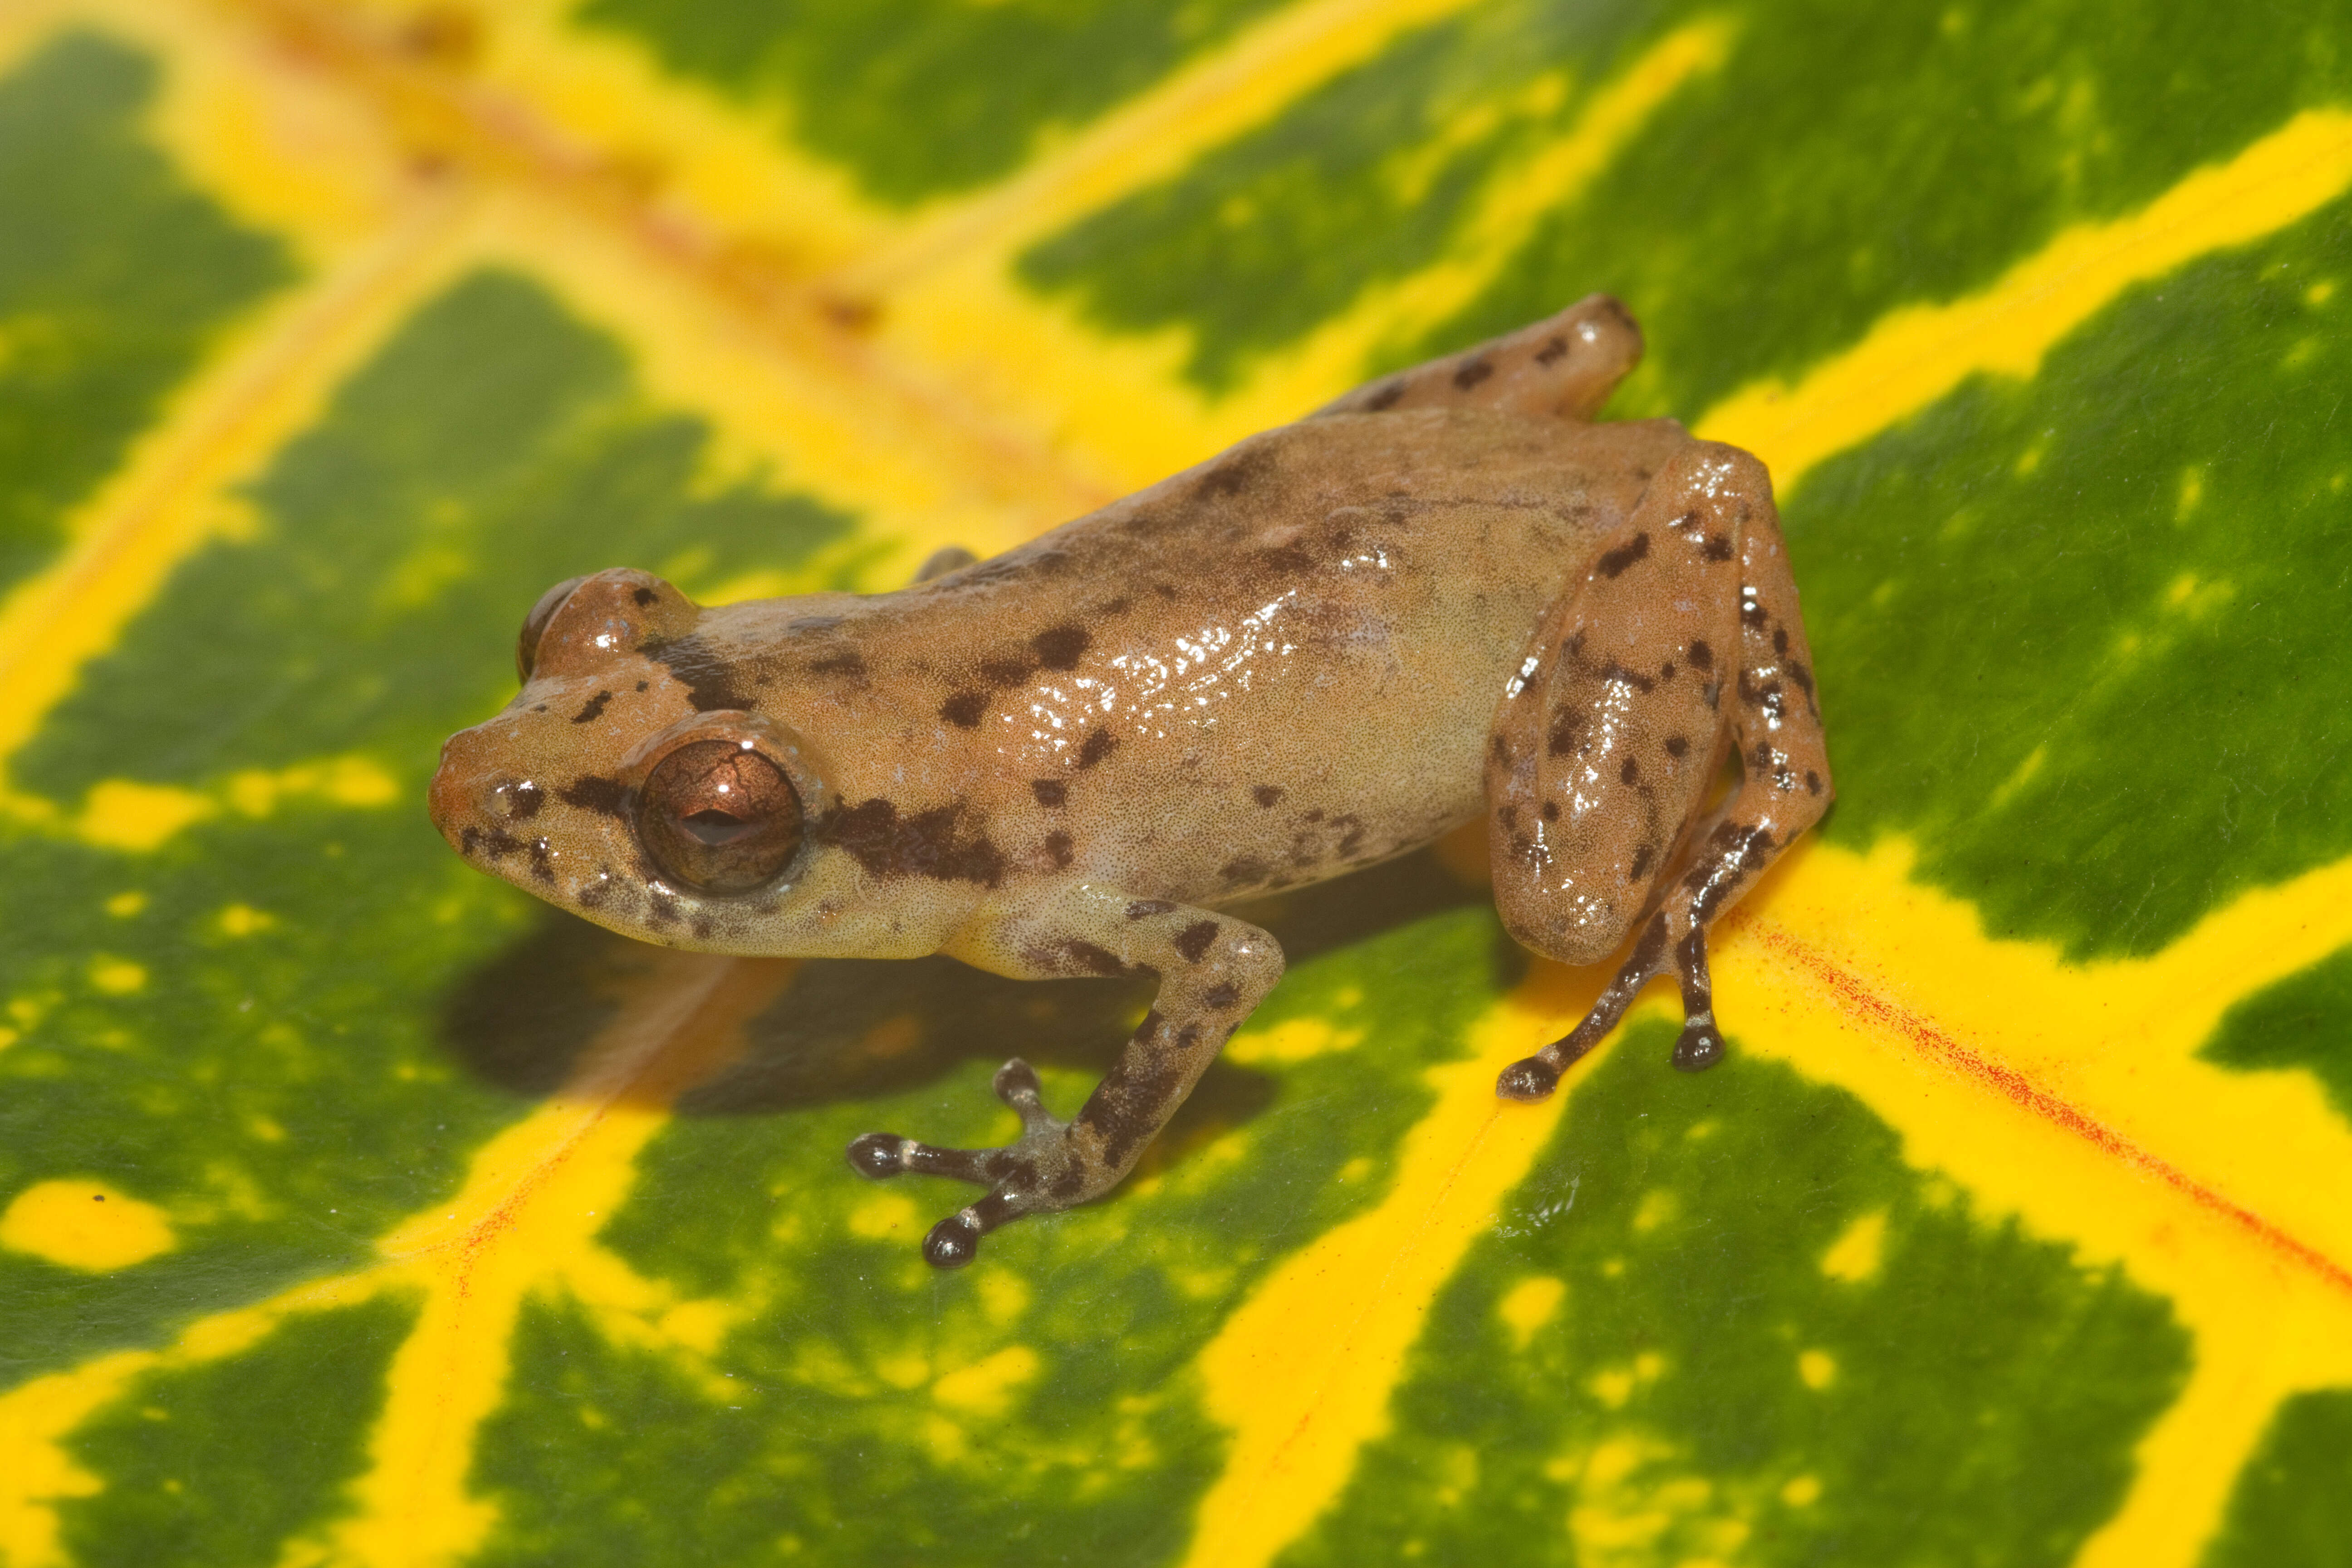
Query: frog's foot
[(1033, 1173), (1698, 1048)]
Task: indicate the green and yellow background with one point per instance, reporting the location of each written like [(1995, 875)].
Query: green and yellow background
[(355, 1210)]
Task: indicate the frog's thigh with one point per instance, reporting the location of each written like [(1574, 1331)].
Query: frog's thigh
[(1604, 748), (1565, 366)]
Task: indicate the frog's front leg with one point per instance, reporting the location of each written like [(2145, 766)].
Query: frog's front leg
[(1212, 968), (1685, 639)]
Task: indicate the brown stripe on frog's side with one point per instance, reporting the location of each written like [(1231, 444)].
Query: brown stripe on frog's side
[(1058, 648), (593, 709), (594, 792), (935, 844), (711, 679)]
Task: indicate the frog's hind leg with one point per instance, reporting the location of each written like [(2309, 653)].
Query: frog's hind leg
[(1565, 366), (1699, 568)]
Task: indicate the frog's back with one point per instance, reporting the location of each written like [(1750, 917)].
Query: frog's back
[(1264, 671)]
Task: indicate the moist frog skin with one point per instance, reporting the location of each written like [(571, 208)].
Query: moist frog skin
[(1448, 595)]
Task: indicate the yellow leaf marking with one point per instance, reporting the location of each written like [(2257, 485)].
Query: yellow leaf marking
[(1230, 90), (1916, 354), (88, 1224), (1302, 1371), (1529, 1305), (1517, 198), (574, 215), (125, 814), (523, 1219)]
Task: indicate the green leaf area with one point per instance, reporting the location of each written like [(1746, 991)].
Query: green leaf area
[(113, 276)]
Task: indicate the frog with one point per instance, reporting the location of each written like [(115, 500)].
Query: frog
[(1455, 593)]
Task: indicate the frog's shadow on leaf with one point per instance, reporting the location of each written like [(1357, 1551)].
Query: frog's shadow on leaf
[(846, 1030)]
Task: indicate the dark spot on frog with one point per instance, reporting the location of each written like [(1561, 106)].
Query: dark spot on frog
[(542, 862), (1144, 909), (1779, 639), (1243, 871), (1099, 743), (1641, 863), (1239, 471), (1677, 747), (539, 707), (1312, 814), (1613, 562), (1551, 811), (1093, 960), (523, 801), (929, 844), (1568, 727), (964, 708), (1629, 773), (1763, 755), (1802, 677), (1471, 375), (1194, 940), (592, 793), (1508, 816), (702, 927), (1000, 671), (1500, 748), (641, 685), (1752, 613), (1667, 670), (1118, 607), (1641, 472), (842, 661), (1383, 400), (592, 894), (1058, 849), (643, 596), (1352, 834), (1267, 795), (661, 906), (1716, 548), (710, 679), (1551, 352), (595, 708), (1050, 791), (1702, 658), (1222, 997), (1060, 648), (1163, 590), (1812, 782)]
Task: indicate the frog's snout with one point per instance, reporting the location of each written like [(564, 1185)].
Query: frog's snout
[(456, 799)]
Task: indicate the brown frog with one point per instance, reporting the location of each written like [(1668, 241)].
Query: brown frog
[(1448, 593)]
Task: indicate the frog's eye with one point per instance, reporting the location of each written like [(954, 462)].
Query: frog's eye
[(535, 624), (718, 816)]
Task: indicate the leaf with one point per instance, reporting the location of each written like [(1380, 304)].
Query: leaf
[(354, 1209)]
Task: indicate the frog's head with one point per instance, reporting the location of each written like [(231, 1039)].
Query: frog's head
[(614, 783)]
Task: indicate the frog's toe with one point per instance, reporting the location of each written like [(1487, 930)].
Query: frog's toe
[(879, 1155), (1530, 1078), (1699, 1047), (954, 1241)]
